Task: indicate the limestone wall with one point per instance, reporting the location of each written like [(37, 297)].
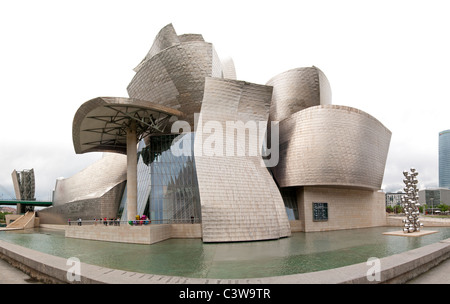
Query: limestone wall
[(147, 234), (347, 208)]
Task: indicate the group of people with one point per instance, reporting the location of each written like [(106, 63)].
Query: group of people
[(79, 221), (140, 220), (106, 222)]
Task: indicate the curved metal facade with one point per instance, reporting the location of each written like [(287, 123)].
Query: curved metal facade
[(100, 124), (109, 171), (321, 147), (298, 89), (174, 70), (332, 145), (94, 192), (239, 198)]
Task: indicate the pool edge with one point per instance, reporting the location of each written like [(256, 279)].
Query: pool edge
[(395, 269)]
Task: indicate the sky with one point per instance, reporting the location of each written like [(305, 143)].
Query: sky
[(387, 58)]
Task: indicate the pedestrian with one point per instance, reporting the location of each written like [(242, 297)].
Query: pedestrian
[(79, 221), (69, 222)]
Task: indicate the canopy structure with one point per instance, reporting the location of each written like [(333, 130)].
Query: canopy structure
[(101, 124), (116, 124)]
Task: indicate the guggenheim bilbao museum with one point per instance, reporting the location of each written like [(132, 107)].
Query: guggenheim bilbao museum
[(245, 161)]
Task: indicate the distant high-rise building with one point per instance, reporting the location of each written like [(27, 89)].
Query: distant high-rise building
[(444, 159)]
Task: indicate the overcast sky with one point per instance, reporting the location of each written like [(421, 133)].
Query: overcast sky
[(388, 58)]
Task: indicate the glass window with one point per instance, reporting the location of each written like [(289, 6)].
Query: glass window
[(320, 212), (290, 202)]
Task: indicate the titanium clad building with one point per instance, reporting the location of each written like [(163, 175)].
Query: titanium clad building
[(444, 159), (245, 161)]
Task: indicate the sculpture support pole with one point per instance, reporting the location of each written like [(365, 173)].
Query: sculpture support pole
[(131, 172)]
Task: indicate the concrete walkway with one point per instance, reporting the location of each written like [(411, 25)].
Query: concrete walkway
[(12, 275), (436, 275)]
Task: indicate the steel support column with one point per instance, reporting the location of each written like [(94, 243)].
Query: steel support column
[(131, 172)]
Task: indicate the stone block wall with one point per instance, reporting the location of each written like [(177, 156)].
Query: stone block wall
[(347, 208), (147, 234)]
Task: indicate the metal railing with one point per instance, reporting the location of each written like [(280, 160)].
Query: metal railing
[(116, 222)]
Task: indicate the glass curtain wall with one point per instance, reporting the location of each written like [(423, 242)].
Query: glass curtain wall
[(143, 185), (174, 195), (444, 159), (167, 180), (289, 196)]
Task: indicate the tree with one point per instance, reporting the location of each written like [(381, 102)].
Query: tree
[(398, 209), (2, 216), (443, 207)]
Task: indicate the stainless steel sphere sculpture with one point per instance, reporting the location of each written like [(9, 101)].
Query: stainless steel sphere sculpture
[(410, 202)]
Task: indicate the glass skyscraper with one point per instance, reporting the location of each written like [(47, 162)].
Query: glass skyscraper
[(444, 159)]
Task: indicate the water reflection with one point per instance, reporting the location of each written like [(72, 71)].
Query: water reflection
[(302, 252)]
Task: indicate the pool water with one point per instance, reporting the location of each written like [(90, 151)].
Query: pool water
[(300, 253)]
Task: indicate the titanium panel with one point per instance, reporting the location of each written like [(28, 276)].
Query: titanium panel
[(332, 145), (228, 69), (92, 182), (298, 89), (91, 208), (239, 199), (166, 37), (174, 75)]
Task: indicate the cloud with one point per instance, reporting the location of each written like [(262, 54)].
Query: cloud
[(49, 163)]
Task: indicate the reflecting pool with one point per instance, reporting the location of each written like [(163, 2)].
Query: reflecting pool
[(302, 252)]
